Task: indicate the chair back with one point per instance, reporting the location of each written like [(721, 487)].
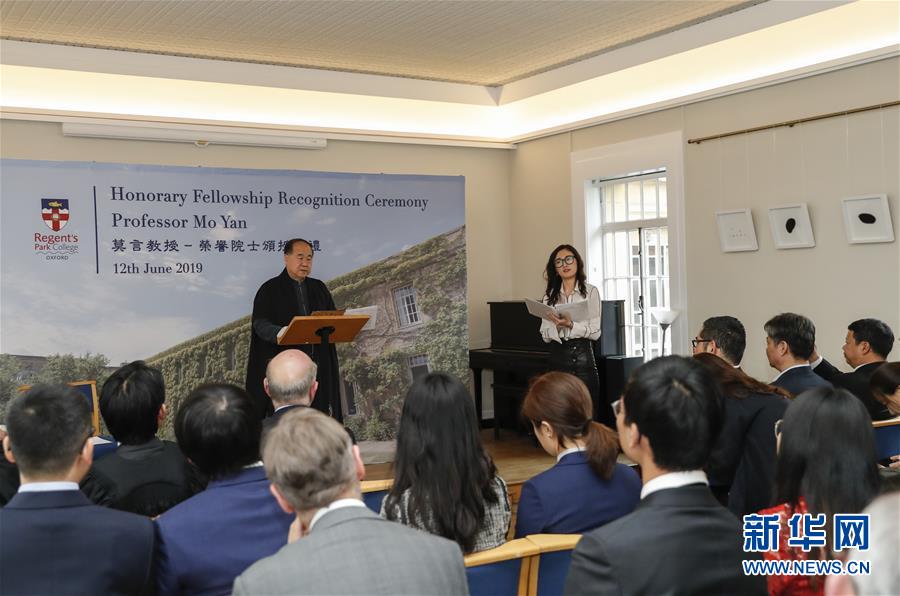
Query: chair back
[(374, 492), (887, 437), (550, 567), (501, 571)]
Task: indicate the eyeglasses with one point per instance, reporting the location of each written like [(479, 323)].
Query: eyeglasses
[(778, 428), (616, 407), (697, 341), (564, 261)]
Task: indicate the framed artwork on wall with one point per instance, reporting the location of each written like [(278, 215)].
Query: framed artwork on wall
[(736, 230), (791, 227), (867, 219)]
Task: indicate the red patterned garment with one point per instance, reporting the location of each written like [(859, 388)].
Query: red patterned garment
[(791, 585)]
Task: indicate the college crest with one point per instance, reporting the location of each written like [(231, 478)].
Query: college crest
[(55, 213)]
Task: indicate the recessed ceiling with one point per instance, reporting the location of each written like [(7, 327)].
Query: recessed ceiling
[(752, 46), (488, 43)]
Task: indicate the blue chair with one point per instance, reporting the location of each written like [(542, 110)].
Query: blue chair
[(550, 567), (501, 571), (374, 491), (887, 437)]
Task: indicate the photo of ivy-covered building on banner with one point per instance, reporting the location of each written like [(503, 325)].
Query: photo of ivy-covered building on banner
[(417, 301)]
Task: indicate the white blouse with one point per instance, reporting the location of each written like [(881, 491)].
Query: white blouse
[(589, 329)]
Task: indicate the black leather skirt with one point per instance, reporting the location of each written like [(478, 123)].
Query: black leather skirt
[(576, 357)]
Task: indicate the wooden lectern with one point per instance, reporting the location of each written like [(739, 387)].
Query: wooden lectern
[(324, 328)]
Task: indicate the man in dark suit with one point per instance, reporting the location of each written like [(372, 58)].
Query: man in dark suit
[(277, 302), (723, 336), (207, 540), (337, 545), (145, 475), (790, 342), (291, 383), (679, 539), (53, 540), (866, 347)]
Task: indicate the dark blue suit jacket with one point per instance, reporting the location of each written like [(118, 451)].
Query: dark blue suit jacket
[(210, 539), (800, 379), (570, 498), (58, 542)]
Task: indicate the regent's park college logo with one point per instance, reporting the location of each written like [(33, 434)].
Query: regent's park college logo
[(55, 213), (55, 247)]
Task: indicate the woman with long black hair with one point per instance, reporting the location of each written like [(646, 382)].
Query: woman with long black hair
[(741, 465), (826, 465), (572, 342), (444, 481)]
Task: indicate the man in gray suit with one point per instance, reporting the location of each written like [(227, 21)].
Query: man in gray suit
[(336, 545)]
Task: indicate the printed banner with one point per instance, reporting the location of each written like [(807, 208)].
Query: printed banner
[(161, 263)]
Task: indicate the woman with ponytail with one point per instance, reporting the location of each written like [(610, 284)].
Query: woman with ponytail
[(586, 488)]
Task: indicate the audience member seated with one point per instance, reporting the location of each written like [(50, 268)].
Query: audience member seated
[(97, 491), (586, 488), (723, 336), (444, 480), (741, 467), (290, 383), (336, 545), (884, 544), (144, 475), (208, 540), (826, 464), (866, 347), (679, 539), (885, 387), (790, 342), (9, 477), (53, 540)]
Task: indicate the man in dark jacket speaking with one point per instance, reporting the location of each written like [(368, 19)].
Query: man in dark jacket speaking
[(278, 301)]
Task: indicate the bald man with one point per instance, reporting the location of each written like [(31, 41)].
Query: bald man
[(290, 383)]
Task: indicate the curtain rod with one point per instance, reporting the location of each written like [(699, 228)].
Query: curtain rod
[(793, 122)]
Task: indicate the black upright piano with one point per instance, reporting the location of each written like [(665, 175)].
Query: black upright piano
[(518, 353)]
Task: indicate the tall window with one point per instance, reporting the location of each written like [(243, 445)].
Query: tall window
[(407, 308), (635, 239)]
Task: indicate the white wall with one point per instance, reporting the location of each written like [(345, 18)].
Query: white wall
[(485, 170), (518, 204), (818, 163)]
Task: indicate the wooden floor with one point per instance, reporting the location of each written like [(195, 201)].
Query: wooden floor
[(517, 458)]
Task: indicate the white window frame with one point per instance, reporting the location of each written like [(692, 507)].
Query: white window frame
[(634, 225), (398, 307), (620, 159)]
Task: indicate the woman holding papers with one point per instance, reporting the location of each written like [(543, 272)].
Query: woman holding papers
[(575, 323)]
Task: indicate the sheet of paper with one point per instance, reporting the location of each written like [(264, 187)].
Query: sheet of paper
[(539, 309), (576, 311), (371, 311)]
